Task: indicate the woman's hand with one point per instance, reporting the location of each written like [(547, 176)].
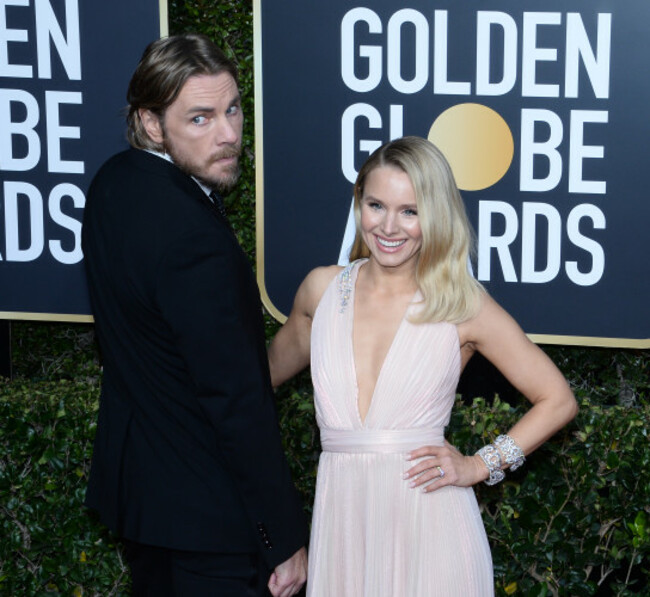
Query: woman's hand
[(444, 465)]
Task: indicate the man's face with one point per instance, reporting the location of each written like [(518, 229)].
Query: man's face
[(201, 130)]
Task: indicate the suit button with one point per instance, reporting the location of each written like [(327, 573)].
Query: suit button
[(264, 535)]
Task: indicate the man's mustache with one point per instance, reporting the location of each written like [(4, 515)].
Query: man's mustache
[(231, 152)]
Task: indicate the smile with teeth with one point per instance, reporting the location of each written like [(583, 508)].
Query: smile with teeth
[(390, 243)]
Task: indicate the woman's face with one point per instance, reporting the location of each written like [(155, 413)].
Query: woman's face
[(389, 217)]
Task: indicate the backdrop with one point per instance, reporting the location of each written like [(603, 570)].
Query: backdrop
[(541, 111), (64, 69)]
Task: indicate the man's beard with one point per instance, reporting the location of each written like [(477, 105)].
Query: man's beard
[(199, 170)]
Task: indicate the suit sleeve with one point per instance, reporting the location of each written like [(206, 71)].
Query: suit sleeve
[(207, 294)]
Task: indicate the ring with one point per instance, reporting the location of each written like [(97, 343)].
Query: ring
[(442, 473)]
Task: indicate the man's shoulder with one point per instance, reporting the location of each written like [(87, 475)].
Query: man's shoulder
[(134, 162), (145, 191), (139, 172)]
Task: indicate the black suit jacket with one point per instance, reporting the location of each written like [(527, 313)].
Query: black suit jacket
[(187, 453)]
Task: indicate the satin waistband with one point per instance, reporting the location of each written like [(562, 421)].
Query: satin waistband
[(385, 441)]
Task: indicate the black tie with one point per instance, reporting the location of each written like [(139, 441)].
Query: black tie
[(218, 203)]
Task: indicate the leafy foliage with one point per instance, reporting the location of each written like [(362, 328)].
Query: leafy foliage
[(50, 544), (573, 522), (230, 25)]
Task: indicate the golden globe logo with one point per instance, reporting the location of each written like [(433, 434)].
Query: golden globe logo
[(478, 141)]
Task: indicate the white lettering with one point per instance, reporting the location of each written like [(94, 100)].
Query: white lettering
[(19, 71), (441, 85), (68, 46), (531, 211), (24, 128), (486, 20), (496, 33), (421, 75), (56, 132), (591, 246), (531, 55), (578, 151), (12, 191), (530, 148), (532, 221), (348, 134), (372, 53), (487, 241), (596, 65), (54, 203), (348, 138)]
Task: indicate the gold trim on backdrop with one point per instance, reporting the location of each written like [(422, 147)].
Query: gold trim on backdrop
[(259, 216), (259, 164), (164, 18), (591, 341), (20, 315)]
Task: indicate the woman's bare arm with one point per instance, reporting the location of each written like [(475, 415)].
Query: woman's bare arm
[(290, 350), (497, 336)]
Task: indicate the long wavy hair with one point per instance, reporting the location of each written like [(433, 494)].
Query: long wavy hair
[(449, 290)]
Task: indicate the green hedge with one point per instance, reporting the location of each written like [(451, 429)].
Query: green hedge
[(50, 544), (573, 522)]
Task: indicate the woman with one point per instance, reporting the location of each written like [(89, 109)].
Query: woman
[(388, 336)]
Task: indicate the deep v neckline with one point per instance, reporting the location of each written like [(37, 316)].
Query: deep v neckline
[(387, 356)]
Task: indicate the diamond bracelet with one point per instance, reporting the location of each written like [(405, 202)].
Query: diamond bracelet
[(492, 459), (510, 451)]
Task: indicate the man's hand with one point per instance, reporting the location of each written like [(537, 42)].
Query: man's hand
[(287, 578)]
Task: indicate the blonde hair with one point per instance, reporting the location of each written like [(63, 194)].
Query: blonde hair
[(442, 275)]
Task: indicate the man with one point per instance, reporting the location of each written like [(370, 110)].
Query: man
[(188, 467)]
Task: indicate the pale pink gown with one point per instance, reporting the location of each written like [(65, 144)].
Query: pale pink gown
[(373, 535)]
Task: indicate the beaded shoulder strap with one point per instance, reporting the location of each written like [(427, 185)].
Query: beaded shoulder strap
[(344, 283)]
